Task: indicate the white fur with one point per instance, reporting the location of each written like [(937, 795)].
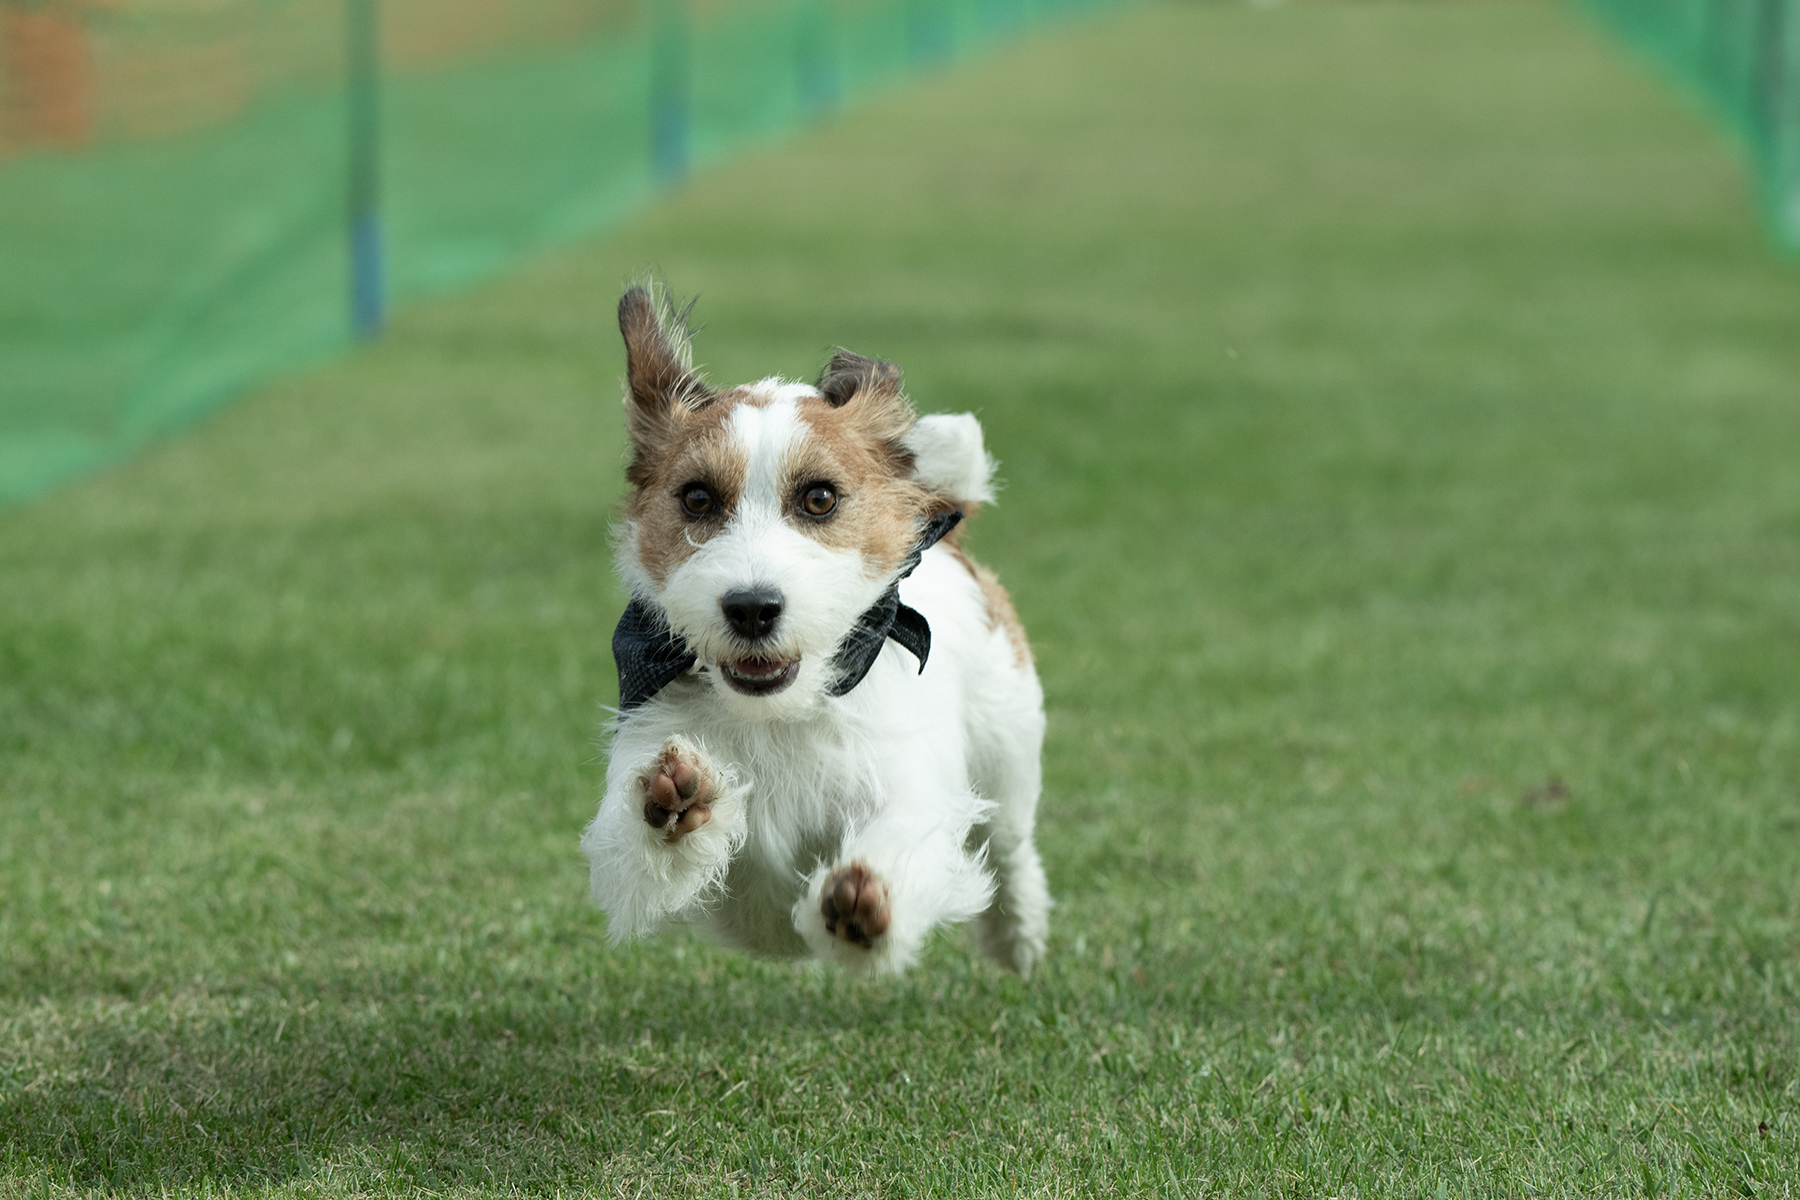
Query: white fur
[(825, 591), (929, 779), (646, 874), (949, 457)]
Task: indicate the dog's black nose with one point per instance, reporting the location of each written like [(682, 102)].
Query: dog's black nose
[(752, 612)]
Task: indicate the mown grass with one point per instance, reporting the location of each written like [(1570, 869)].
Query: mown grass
[(1399, 413)]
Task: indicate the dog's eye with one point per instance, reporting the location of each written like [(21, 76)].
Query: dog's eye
[(698, 501), (819, 500)]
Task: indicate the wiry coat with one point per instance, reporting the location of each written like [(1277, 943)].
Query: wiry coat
[(744, 798)]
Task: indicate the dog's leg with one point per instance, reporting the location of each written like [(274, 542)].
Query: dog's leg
[(1007, 737), (664, 836), (1015, 928), (891, 883)]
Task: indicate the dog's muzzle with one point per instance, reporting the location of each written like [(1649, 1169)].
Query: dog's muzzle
[(650, 657)]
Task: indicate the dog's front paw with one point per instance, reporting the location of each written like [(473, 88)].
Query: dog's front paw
[(678, 787), (855, 905)]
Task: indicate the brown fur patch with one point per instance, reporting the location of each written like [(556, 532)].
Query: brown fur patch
[(854, 441), (849, 375), (1000, 611), (856, 447), (662, 388), (696, 448)]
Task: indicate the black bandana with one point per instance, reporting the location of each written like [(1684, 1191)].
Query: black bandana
[(650, 657)]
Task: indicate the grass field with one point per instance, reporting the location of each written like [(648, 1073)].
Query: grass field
[(1400, 414)]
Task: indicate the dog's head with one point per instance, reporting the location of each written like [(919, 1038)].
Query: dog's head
[(765, 519)]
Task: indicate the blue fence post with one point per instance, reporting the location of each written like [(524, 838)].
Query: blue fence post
[(671, 92), (368, 300), (1785, 160), (930, 33), (815, 59)]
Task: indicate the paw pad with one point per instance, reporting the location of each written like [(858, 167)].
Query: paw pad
[(678, 790), (855, 905)]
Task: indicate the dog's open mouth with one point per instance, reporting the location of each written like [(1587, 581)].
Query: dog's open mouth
[(759, 676)]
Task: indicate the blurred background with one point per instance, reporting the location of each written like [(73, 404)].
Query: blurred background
[(195, 194), (1397, 404)]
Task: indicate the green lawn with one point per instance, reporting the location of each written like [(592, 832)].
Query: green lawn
[(1401, 421)]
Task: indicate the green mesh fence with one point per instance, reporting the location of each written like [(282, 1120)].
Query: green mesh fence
[(1743, 58), (195, 194)]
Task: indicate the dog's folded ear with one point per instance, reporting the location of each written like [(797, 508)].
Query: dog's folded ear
[(950, 459), (849, 375), (659, 364)]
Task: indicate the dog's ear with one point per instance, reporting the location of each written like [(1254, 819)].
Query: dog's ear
[(868, 392), (849, 375), (659, 366), (950, 459)]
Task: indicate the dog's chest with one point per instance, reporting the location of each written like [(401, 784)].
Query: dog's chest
[(801, 784), (802, 789)]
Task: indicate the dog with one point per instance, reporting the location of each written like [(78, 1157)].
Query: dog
[(830, 724)]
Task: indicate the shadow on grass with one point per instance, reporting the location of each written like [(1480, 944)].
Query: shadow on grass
[(535, 1057), (535, 1074)]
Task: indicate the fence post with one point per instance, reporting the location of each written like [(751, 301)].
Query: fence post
[(1779, 112), (930, 33), (815, 58), (671, 102), (363, 70)]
